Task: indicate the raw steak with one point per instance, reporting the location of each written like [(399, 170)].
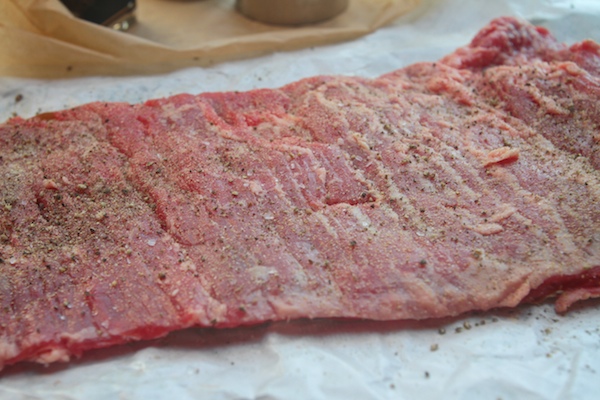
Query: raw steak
[(440, 188)]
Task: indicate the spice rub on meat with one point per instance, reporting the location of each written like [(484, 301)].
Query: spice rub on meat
[(440, 188)]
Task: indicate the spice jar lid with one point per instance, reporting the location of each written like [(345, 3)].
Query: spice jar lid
[(291, 12)]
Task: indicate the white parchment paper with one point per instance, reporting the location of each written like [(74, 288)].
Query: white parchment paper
[(527, 353)]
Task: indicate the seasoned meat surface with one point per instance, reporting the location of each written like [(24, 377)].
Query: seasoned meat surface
[(466, 184)]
